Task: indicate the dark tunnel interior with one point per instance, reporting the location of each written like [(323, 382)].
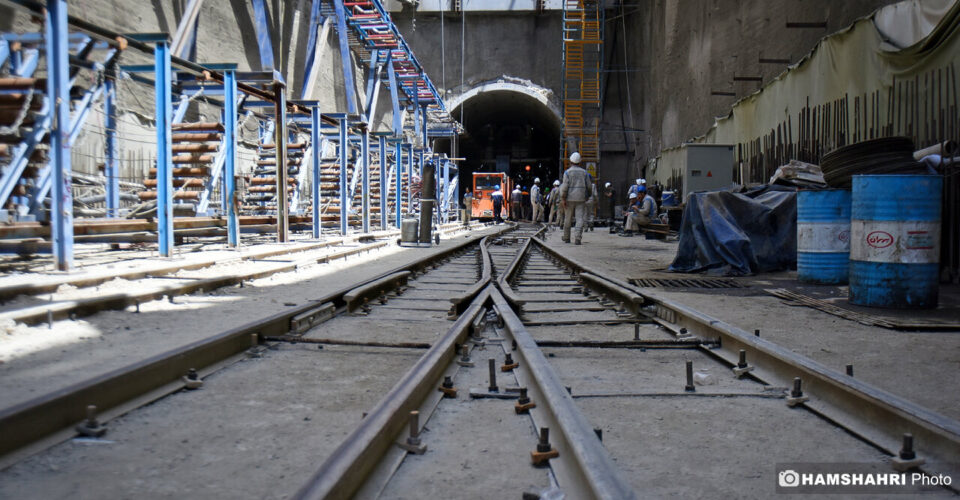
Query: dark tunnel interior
[(507, 131)]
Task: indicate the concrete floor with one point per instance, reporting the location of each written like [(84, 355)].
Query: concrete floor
[(914, 365)]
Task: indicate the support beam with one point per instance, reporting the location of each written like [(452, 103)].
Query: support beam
[(384, 181), (264, 43), (111, 167), (316, 140), (280, 148), (409, 148), (314, 46), (365, 173), (345, 59), (344, 152), (184, 37), (394, 97), (232, 209), (398, 194), (445, 191), (58, 91)]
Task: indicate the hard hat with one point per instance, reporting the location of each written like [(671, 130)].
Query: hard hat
[(642, 189), (556, 183), (575, 158), (633, 196), (643, 181), (536, 180), (639, 181), (606, 185)]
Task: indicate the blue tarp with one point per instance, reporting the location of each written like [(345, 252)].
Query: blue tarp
[(738, 234)]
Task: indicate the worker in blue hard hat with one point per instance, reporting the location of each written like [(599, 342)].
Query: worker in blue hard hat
[(641, 212)]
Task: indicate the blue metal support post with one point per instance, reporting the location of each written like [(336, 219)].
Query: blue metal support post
[(394, 96), (409, 178), (111, 168), (230, 162), (344, 152), (445, 190), (384, 182), (164, 115), (315, 138), (58, 91), (365, 175), (398, 195)]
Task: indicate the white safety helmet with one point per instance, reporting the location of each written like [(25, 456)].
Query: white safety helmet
[(643, 181), (575, 158), (606, 185), (633, 196), (556, 183), (536, 180), (639, 181)]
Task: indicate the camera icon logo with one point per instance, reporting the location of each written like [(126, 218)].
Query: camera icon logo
[(788, 479)]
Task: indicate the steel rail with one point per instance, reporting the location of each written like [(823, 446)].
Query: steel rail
[(877, 416), (462, 301), (345, 471), (31, 421), (584, 469)]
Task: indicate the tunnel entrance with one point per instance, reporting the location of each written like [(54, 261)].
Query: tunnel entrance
[(507, 130)]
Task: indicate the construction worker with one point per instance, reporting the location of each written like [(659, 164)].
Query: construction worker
[(467, 207), (553, 200), (576, 189), (516, 196), (536, 200), (497, 198), (642, 211)]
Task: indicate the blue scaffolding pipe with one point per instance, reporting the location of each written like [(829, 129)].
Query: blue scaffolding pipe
[(384, 181), (398, 172), (230, 162), (373, 78), (315, 139), (409, 148), (445, 192), (264, 43), (345, 59), (58, 90), (111, 168), (365, 179), (344, 150), (164, 116)]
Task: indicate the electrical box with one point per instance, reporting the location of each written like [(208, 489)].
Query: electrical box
[(706, 167)]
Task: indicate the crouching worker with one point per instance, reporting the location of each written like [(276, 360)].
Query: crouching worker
[(641, 212)]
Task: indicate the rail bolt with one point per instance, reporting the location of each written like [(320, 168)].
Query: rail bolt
[(907, 458), (91, 427), (192, 380), (544, 451), (796, 394)]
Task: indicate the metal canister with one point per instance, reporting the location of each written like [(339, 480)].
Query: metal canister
[(895, 240), (823, 236), (409, 230)]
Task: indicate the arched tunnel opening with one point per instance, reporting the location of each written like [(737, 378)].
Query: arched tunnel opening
[(507, 131)]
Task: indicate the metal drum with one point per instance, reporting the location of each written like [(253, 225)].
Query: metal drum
[(895, 240), (409, 229), (823, 236)]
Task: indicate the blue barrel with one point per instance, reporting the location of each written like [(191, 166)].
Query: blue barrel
[(895, 240), (823, 236)]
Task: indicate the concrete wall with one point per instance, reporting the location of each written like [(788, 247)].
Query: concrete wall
[(524, 45), (680, 51)]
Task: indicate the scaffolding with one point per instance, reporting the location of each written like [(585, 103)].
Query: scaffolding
[(582, 69)]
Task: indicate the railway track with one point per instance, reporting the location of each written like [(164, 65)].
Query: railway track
[(550, 378)]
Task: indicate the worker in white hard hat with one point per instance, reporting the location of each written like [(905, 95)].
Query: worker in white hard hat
[(635, 188), (575, 191), (642, 211), (553, 201), (536, 199), (610, 195), (516, 196)]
